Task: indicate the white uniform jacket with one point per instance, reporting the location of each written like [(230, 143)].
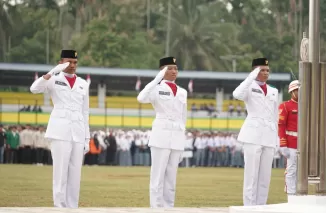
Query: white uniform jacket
[(70, 115), (260, 126), (169, 125)]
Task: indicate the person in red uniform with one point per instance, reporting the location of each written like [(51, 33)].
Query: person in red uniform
[(287, 131)]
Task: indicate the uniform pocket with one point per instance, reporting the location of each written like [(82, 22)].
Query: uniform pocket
[(78, 95), (273, 126), (159, 125), (62, 91), (182, 99), (77, 117), (257, 95), (252, 123), (58, 113), (165, 97), (81, 91), (61, 88)]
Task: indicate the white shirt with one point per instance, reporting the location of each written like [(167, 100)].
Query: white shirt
[(200, 142), (189, 141)]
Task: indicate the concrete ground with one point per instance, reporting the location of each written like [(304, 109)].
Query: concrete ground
[(113, 210)]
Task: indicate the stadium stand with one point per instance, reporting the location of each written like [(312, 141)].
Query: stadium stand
[(114, 102)]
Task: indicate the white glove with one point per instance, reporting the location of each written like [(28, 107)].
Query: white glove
[(59, 68), (285, 152), (86, 147), (144, 94), (253, 75), (161, 74)]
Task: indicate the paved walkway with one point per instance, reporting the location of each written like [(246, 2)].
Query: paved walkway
[(113, 210)]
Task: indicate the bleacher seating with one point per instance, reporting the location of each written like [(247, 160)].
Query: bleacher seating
[(21, 98), (235, 103), (131, 103), (116, 102)]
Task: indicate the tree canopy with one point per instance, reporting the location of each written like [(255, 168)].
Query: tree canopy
[(201, 34)]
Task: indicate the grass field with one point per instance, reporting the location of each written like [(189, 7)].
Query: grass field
[(31, 186)]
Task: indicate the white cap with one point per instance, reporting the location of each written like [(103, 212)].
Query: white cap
[(294, 85)]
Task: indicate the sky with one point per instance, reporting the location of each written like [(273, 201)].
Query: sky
[(60, 2)]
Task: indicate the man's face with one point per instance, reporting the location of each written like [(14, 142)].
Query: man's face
[(263, 74), (172, 72), (295, 94), (71, 69)]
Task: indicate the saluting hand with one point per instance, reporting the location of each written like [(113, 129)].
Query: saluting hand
[(163, 71), (253, 75), (59, 68), (161, 74)]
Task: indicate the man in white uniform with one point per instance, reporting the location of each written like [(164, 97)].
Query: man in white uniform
[(259, 132), (68, 127), (167, 139)]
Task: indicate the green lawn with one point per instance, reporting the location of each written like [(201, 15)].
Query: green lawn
[(31, 186)]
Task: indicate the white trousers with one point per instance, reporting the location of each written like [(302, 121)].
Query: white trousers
[(291, 172), (67, 163), (257, 173), (163, 177)]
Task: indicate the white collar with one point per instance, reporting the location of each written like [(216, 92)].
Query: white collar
[(260, 83), (167, 81), (68, 75)]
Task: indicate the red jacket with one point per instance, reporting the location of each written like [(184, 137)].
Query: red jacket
[(288, 121)]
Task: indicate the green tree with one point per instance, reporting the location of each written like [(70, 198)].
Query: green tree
[(199, 34), (38, 37), (99, 46), (6, 27)]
